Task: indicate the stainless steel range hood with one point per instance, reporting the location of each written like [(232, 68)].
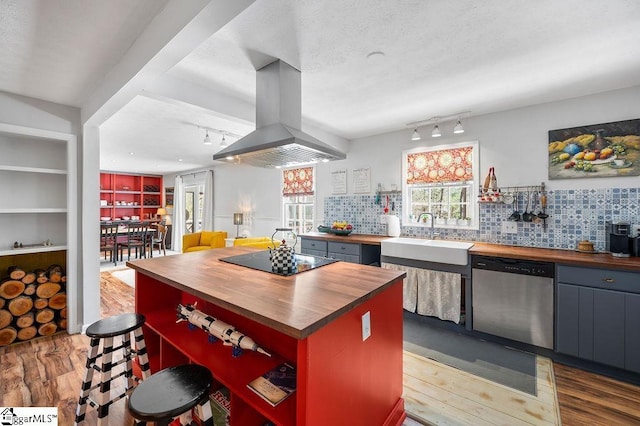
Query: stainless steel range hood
[(278, 140)]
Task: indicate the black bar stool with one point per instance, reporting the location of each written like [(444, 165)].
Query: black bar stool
[(172, 392), (102, 333)]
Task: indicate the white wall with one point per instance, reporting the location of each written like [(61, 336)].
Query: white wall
[(514, 142), (253, 191)]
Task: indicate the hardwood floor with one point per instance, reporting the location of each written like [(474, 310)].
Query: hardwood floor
[(48, 371)]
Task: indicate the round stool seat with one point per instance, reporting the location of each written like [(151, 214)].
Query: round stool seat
[(116, 325), (170, 392)]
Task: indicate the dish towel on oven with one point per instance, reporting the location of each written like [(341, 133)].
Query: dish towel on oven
[(432, 293)]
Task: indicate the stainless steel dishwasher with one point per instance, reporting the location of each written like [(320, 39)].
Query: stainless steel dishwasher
[(513, 298)]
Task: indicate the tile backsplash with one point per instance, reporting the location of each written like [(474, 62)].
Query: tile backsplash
[(574, 215)]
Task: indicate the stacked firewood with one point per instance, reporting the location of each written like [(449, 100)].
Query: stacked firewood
[(32, 303)]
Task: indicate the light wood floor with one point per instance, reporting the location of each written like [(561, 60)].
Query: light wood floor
[(439, 394), (48, 372)]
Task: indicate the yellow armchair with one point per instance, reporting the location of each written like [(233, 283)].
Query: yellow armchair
[(204, 240), (258, 242)]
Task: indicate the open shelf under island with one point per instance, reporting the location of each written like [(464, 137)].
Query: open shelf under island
[(312, 320)]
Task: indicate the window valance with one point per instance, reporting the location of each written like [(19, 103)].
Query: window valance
[(297, 181), (440, 166)]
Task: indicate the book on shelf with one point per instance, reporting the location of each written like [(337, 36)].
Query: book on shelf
[(221, 407), (275, 385)]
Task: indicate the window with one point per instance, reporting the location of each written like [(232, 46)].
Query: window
[(441, 180), (298, 199)]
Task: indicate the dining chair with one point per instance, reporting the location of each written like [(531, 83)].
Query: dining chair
[(159, 239), (137, 239), (109, 241)]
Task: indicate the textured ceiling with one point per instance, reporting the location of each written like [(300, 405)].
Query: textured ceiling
[(440, 57)]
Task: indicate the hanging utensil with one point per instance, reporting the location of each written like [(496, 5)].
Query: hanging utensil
[(543, 206), (386, 206), (527, 216), (515, 216)]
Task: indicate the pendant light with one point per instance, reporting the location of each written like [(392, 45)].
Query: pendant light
[(207, 139), (415, 136), (435, 133), (458, 128), (223, 142)]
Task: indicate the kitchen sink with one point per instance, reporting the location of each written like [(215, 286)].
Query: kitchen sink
[(440, 251)]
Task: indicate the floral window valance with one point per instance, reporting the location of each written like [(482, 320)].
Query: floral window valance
[(440, 166), (297, 181)]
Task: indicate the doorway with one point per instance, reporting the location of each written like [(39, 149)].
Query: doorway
[(194, 208)]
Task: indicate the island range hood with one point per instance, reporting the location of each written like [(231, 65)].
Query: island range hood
[(278, 140)]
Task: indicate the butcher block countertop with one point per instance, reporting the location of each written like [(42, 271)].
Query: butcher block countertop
[(296, 305), (563, 256), (568, 257), (373, 240)]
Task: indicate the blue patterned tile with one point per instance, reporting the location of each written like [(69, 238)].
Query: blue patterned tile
[(574, 214)]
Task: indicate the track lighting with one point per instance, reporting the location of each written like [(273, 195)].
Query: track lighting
[(207, 139), (415, 136), (223, 142), (458, 128), (435, 133)]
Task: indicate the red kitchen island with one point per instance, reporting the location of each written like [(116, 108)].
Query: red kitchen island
[(312, 319)]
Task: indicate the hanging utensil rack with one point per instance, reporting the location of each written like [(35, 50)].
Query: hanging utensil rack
[(496, 196)]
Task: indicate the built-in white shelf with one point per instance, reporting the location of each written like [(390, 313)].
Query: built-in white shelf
[(30, 250), (34, 210), (32, 170)]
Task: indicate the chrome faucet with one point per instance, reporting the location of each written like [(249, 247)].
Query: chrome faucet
[(431, 223)]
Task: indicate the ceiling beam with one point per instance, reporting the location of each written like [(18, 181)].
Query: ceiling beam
[(174, 33)]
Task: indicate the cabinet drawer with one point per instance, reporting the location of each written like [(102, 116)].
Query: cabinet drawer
[(600, 278), (345, 257), (314, 245), (344, 248)]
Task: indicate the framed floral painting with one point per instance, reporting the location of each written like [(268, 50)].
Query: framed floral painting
[(595, 150)]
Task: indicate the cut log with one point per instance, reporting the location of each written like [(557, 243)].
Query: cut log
[(40, 303), (5, 318), (41, 276), (15, 272), (47, 290), (2, 302), (64, 279), (27, 333), (63, 312), (44, 315), (29, 290), (47, 329), (55, 273), (58, 300), (20, 305), (7, 336), (26, 320), (62, 323), (29, 278), (10, 289)]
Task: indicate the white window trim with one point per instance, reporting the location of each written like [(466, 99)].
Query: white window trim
[(475, 223)]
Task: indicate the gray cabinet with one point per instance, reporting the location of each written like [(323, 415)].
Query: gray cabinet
[(598, 316), (313, 247), (366, 254)]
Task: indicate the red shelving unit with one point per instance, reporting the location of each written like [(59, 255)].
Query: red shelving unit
[(127, 196)]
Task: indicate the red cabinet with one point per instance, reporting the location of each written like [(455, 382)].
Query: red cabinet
[(129, 197)]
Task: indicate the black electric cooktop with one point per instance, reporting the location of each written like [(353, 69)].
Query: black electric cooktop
[(260, 260)]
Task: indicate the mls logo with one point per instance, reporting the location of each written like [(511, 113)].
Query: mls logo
[(6, 417)]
